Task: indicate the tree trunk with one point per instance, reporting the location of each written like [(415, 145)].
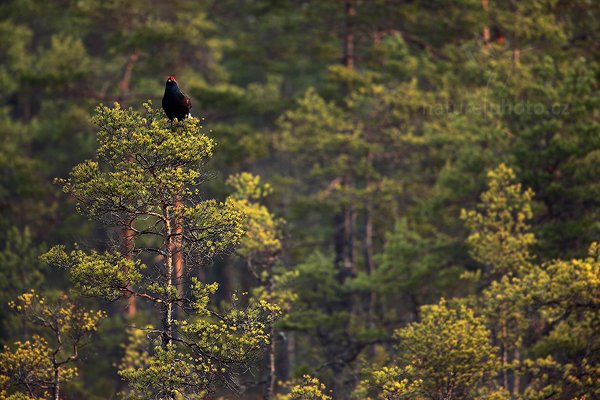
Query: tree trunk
[(290, 354), (516, 57), (125, 82), (349, 218), (344, 242), (348, 60), (271, 371), (504, 356), (271, 352), (177, 243), (486, 28), (127, 246), (127, 243), (368, 244), (168, 305), (368, 255), (338, 239), (344, 221), (349, 212), (56, 388), (516, 377)]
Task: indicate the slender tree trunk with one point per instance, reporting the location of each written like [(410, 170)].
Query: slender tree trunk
[(349, 212), (127, 235), (232, 276), (125, 82), (504, 356), (368, 243), (349, 35), (368, 255), (56, 388), (271, 371), (338, 386), (127, 246), (516, 57), (168, 305), (349, 219), (344, 220), (177, 243), (246, 283), (338, 239), (516, 377), (271, 376), (486, 29), (290, 353)]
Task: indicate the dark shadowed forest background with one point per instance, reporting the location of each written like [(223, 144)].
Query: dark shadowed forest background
[(396, 200)]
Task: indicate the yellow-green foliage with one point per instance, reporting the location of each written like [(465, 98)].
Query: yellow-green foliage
[(62, 317), (500, 234), (262, 229), (31, 366), (449, 350), (446, 355), (308, 388), (169, 374), (136, 350), (261, 244), (563, 296), (554, 305), (147, 180), (213, 344), (151, 168), (387, 383), (213, 227), (104, 275), (26, 364), (238, 334)]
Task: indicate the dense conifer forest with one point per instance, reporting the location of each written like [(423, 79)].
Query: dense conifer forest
[(368, 199)]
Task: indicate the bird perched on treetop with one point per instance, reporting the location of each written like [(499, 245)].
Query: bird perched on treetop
[(175, 103)]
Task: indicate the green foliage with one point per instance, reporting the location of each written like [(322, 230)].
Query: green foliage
[(149, 163), (65, 319), (136, 354), (449, 350), (236, 336), (308, 388), (151, 169), (21, 186), (168, 374), (262, 229), (39, 366), (562, 295), (371, 162), (448, 353), (409, 262), (500, 233), (387, 383), (262, 245), (213, 344), (559, 295), (319, 293), (27, 364), (106, 275), (20, 269)]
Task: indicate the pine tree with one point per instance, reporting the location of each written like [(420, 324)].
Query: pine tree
[(147, 177)]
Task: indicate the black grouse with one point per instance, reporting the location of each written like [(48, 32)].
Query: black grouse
[(175, 103)]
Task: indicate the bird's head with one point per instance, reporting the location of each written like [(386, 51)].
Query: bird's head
[(171, 81)]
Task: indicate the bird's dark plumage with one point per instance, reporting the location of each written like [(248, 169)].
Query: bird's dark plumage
[(175, 103)]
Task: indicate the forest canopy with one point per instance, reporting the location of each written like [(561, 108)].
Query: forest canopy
[(340, 199)]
